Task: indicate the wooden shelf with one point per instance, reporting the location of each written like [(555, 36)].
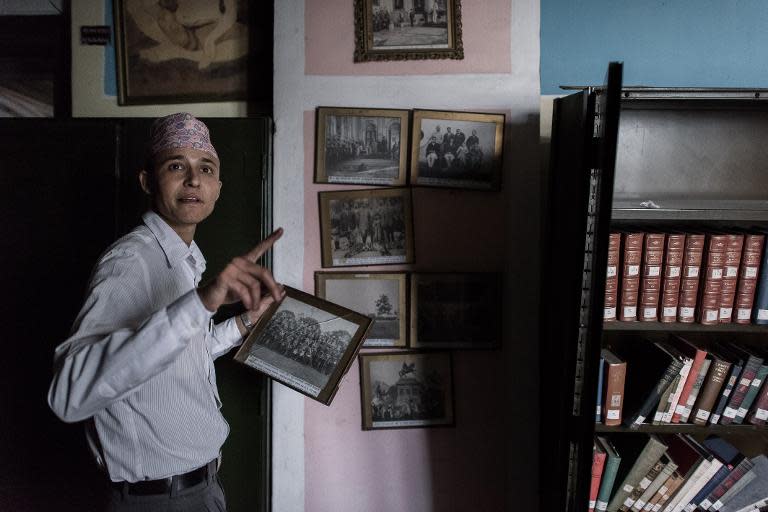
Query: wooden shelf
[(682, 327), (690, 210), (684, 429)]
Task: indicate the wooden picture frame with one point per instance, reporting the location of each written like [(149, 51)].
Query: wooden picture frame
[(366, 227), (406, 390), (194, 53), (383, 296), (455, 310), (408, 30), (361, 146), (305, 343), (457, 149)]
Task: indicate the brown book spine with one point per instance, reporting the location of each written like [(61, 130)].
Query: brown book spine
[(733, 250), (670, 283), (759, 413), (689, 280), (713, 384), (713, 264), (615, 375), (650, 280), (747, 281), (612, 278), (630, 275)]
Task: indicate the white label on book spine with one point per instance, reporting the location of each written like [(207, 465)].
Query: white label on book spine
[(702, 414), (639, 420), (630, 311), (711, 315), (674, 271), (597, 410), (628, 488), (592, 503), (644, 483), (680, 409), (750, 272), (639, 504), (613, 414), (649, 312), (629, 502), (611, 271), (610, 312), (658, 416), (705, 504), (715, 419), (730, 412), (757, 382), (731, 271), (761, 414), (693, 272), (717, 273), (656, 508), (725, 313), (717, 505), (601, 505), (741, 412), (633, 270), (669, 311), (686, 312), (654, 271), (745, 382), (615, 399), (762, 314), (743, 314)]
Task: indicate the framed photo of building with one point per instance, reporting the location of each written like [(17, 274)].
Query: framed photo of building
[(379, 295), (305, 343), (366, 227), (361, 146), (175, 52), (457, 311), (406, 390), (407, 29), (457, 149)]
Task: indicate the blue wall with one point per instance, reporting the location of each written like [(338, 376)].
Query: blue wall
[(674, 43)]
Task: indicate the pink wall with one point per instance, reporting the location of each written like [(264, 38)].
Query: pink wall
[(457, 468), (330, 42)]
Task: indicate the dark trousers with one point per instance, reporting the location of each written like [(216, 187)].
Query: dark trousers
[(207, 496)]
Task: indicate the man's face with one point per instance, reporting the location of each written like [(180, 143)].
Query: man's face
[(184, 186)]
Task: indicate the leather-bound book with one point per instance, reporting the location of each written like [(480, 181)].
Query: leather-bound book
[(713, 384), (612, 278), (747, 282), (671, 273), (711, 284), (650, 278), (631, 259), (689, 280), (615, 373), (733, 249)]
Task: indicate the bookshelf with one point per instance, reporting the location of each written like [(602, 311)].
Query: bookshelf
[(686, 159)]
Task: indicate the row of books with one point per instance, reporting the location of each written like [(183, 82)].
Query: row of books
[(689, 277), (678, 381), (675, 473)]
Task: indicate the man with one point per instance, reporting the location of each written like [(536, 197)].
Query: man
[(139, 363), (472, 139)]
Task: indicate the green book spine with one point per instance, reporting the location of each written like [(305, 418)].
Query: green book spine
[(749, 398), (606, 484), (652, 452)]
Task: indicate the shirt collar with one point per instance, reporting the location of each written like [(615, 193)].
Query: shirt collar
[(173, 246)]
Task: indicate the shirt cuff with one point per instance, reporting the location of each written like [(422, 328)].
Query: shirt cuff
[(189, 312)]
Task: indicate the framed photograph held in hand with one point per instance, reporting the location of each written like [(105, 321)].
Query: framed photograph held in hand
[(305, 343)]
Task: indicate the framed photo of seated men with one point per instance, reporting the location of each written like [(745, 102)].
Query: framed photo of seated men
[(406, 390), (456, 310), (361, 146), (305, 343), (378, 295), (366, 227), (407, 29), (457, 149)]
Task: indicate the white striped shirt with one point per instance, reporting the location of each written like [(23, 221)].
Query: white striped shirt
[(140, 359)]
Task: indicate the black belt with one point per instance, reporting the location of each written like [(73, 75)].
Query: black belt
[(168, 485)]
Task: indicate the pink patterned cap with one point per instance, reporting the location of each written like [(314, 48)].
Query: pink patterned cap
[(180, 130)]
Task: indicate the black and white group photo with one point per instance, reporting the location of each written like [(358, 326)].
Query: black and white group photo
[(407, 390), (360, 148), (410, 24)]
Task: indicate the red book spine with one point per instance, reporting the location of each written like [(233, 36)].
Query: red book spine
[(630, 275), (598, 463), (747, 282), (689, 280), (759, 413), (733, 250), (713, 263), (670, 283), (650, 280), (612, 278)]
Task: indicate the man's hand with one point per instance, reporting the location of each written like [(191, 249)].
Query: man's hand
[(242, 279)]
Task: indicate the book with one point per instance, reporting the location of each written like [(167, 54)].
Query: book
[(670, 283), (737, 487), (760, 307), (612, 277), (754, 489), (689, 280), (668, 468), (743, 382), (642, 486), (748, 272), (665, 402), (733, 248), (610, 468), (736, 366), (759, 413), (713, 263), (692, 462), (652, 450), (738, 472), (695, 390), (674, 397), (672, 486), (696, 353), (631, 258), (600, 388), (752, 392), (713, 384), (709, 466), (650, 279), (598, 463), (615, 375), (728, 455)]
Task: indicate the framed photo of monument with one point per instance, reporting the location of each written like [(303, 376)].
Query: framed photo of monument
[(305, 343), (456, 310), (361, 146), (366, 227), (406, 390), (457, 149), (379, 295), (176, 52), (407, 29)]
